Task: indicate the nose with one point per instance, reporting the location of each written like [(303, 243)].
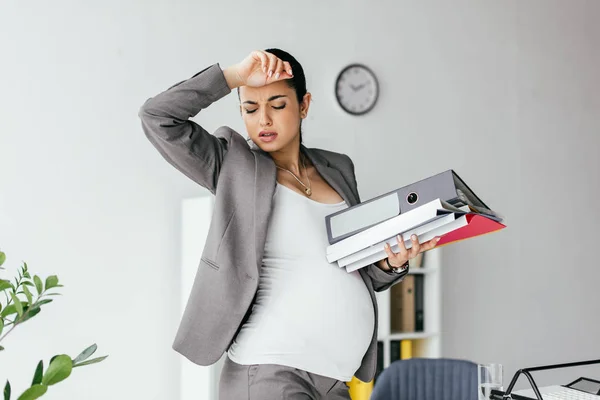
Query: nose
[(265, 118)]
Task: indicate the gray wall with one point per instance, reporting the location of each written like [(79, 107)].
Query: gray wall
[(528, 296), (503, 92)]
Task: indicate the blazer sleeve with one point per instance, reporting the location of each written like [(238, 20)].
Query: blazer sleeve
[(183, 143), (381, 279)]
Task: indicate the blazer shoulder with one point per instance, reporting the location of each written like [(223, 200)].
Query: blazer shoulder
[(231, 137), (338, 160)]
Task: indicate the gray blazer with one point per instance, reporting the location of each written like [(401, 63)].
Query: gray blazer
[(243, 178)]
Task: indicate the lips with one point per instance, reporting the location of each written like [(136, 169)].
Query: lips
[(267, 136)]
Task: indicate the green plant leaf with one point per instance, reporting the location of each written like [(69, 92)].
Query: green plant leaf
[(34, 392), (2, 258), (18, 304), (5, 285), (27, 283), (42, 302), (11, 309), (28, 294), (59, 369), (7, 391), (84, 355), (89, 362), (39, 373), (35, 310), (39, 286), (1, 326), (1, 348), (51, 281)]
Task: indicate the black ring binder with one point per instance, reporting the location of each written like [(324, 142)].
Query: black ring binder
[(499, 395)]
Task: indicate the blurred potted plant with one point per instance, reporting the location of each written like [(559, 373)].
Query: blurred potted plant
[(19, 302)]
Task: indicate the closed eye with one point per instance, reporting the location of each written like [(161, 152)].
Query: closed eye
[(252, 111)]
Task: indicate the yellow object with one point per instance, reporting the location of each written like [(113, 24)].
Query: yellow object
[(405, 349), (360, 390)]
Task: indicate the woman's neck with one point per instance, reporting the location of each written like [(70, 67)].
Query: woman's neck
[(289, 159)]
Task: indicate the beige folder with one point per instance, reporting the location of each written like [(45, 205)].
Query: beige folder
[(402, 299)]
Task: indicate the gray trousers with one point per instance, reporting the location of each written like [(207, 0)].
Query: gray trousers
[(276, 382)]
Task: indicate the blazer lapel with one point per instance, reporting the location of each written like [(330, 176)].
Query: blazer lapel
[(331, 175), (265, 177)]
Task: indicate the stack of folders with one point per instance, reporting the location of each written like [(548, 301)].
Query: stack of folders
[(441, 205)]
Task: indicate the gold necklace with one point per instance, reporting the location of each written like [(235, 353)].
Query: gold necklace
[(307, 189)]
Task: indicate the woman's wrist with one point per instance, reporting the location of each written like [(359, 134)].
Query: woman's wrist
[(382, 265), (232, 77), (403, 266), (386, 266)]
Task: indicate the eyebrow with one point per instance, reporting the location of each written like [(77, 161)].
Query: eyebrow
[(278, 96)]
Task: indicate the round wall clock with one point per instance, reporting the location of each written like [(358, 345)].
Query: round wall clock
[(356, 89)]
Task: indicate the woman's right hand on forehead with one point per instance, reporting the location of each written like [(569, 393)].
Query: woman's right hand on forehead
[(258, 69)]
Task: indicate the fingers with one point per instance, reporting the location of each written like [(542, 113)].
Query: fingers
[(288, 68), (264, 60), (272, 64), (430, 244), (399, 258), (416, 247), (402, 253), (389, 252), (282, 70), (278, 69)]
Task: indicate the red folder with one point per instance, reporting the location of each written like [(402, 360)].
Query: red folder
[(477, 225)]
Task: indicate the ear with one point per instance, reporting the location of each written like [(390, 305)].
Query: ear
[(304, 106)]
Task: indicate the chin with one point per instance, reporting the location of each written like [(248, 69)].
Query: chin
[(263, 146), (268, 147)]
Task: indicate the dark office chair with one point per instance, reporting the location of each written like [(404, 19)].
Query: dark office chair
[(427, 379)]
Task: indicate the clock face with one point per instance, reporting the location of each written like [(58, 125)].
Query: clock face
[(356, 89)]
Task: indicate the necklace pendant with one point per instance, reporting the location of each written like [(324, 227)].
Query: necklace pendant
[(308, 191)]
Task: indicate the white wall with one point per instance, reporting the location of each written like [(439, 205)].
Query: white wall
[(540, 276), (196, 382), (503, 92)]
